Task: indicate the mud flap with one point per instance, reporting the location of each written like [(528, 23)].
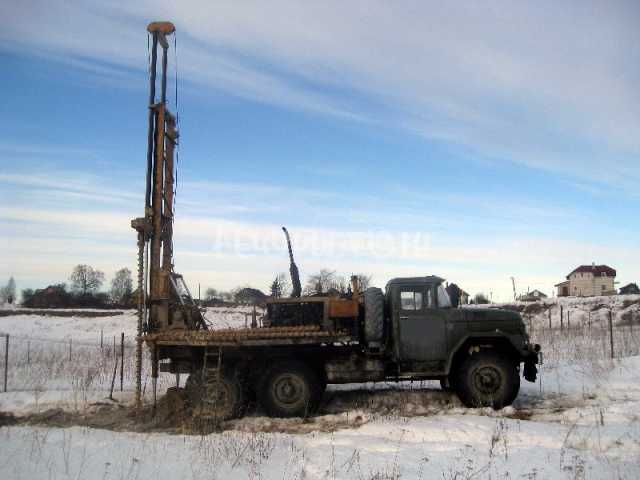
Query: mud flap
[(530, 370)]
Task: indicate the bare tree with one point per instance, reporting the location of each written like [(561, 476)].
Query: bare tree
[(480, 298), (226, 296), (364, 281), (285, 284), (275, 289), (8, 293), (325, 281), (84, 279), (211, 294), (121, 285), (339, 285)]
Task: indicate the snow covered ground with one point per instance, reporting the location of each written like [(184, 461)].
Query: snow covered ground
[(577, 311), (580, 421)]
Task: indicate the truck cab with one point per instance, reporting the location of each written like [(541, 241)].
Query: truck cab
[(475, 351), (421, 315)]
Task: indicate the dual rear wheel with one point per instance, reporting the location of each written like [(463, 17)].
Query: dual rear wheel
[(288, 388), (216, 396)]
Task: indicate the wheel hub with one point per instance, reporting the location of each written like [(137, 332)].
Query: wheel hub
[(288, 389), (487, 380)]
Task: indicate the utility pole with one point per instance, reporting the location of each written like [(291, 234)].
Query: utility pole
[(513, 283)]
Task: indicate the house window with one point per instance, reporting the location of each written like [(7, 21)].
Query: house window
[(603, 288), (411, 300), (604, 274)]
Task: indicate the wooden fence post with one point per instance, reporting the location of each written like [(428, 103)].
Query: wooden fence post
[(561, 319), (113, 378), (122, 362), (70, 346), (28, 352), (549, 318), (6, 360), (568, 319), (611, 330), (101, 338)]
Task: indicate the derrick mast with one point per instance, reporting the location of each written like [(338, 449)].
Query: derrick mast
[(164, 302)]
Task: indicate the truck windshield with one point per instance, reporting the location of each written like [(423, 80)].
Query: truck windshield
[(443, 297)]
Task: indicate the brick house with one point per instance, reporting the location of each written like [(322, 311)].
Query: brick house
[(588, 280)]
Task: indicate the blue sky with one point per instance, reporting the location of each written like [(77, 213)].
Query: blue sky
[(393, 139)]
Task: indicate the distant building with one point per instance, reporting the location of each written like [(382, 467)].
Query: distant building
[(587, 281), (532, 296), (630, 289), (250, 296)]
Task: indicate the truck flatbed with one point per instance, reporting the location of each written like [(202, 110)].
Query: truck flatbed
[(263, 336)]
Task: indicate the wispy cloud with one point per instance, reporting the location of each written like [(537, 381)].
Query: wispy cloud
[(30, 149), (73, 185), (550, 86)]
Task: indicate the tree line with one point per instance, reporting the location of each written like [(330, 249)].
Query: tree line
[(83, 290), (323, 282), (85, 283)]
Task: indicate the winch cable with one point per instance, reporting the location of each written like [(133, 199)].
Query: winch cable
[(177, 140), (143, 259)]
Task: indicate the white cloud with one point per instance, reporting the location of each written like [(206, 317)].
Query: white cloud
[(552, 86), (222, 253)]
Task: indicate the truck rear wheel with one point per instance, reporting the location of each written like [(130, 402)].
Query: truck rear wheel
[(215, 398), (373, 316), (290, 389), (487, 379)]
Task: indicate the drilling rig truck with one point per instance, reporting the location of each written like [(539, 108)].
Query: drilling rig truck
[(408, 331)]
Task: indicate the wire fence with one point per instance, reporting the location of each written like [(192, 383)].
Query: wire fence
[(84, 364), (32, 364), (575, 333), (39, 364)]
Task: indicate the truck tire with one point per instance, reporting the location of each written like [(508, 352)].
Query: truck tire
[(487, 379), (216, 398), (373, 316), (290, 389)]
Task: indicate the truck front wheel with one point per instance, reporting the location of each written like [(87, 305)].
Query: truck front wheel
[(487, 379), (290, 389)]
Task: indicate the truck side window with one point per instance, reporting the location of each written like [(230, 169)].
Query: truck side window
[(444, 300), (411, 300)]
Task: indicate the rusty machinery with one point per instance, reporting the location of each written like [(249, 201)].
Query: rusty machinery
[(166, 310), (164, 302)]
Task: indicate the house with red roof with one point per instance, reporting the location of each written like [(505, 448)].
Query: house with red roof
[(588, 280)]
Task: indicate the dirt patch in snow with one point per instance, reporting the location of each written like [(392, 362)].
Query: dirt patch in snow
[(7, 419), (340, 409)]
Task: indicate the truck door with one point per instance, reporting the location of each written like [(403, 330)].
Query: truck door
[(421, 326)]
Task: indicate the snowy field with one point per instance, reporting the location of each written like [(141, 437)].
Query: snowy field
[(580, 421)]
